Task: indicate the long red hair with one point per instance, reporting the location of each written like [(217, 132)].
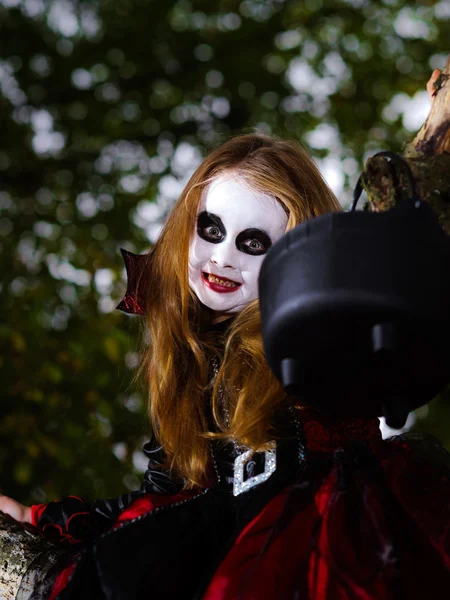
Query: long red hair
[(176, 361)]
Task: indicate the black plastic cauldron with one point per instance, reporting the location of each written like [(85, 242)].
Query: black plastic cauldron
[(356, 311)]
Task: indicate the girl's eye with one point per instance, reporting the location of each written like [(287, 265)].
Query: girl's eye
[(253, 241), (212, 231), (210, 228), (254, 247)]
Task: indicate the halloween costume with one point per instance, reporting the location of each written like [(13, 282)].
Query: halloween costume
[(344, 515), (331, 512)]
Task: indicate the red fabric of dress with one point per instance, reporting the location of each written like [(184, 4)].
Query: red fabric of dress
[(361, 519)]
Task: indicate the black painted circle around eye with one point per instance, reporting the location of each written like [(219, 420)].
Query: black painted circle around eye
[(245, 238), (207, 221), (247, 249)]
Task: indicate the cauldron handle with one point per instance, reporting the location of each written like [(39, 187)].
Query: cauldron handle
[(399, 160)]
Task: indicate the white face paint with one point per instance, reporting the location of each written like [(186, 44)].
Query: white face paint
[(235, 228)]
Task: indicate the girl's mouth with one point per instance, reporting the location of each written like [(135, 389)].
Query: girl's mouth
[(220, 284)]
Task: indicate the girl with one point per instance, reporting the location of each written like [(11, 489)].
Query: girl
[(247, 494)]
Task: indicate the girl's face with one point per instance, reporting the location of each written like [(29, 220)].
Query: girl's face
[(235, 228)]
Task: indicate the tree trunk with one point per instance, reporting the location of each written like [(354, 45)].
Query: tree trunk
[(25, 558), (428, 155)]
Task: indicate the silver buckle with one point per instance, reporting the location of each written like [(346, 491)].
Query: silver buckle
[(270, 464)]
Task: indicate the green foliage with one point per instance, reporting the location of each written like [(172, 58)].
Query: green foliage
[(106, 107)]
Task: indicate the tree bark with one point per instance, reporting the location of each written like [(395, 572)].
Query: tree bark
[(428, 156), (25, 558)]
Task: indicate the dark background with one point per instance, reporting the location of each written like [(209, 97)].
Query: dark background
[(105, 110)]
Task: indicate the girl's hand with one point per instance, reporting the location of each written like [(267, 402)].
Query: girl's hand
[(14, 509), (430, 85)]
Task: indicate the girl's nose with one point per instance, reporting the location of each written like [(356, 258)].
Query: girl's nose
[(224, 255)]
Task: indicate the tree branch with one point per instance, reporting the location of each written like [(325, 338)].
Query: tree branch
[(428, 155), (25, 558)]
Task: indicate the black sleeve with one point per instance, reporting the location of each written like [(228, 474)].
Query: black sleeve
[(72, 521)]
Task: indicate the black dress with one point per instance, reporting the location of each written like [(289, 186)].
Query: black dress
[(344, 516)]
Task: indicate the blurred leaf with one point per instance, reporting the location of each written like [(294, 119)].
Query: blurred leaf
[(113, 350), (22, 471)]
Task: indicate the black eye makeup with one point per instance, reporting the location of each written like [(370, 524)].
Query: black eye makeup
[(210, 228), (250, 241), (253, 241)]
